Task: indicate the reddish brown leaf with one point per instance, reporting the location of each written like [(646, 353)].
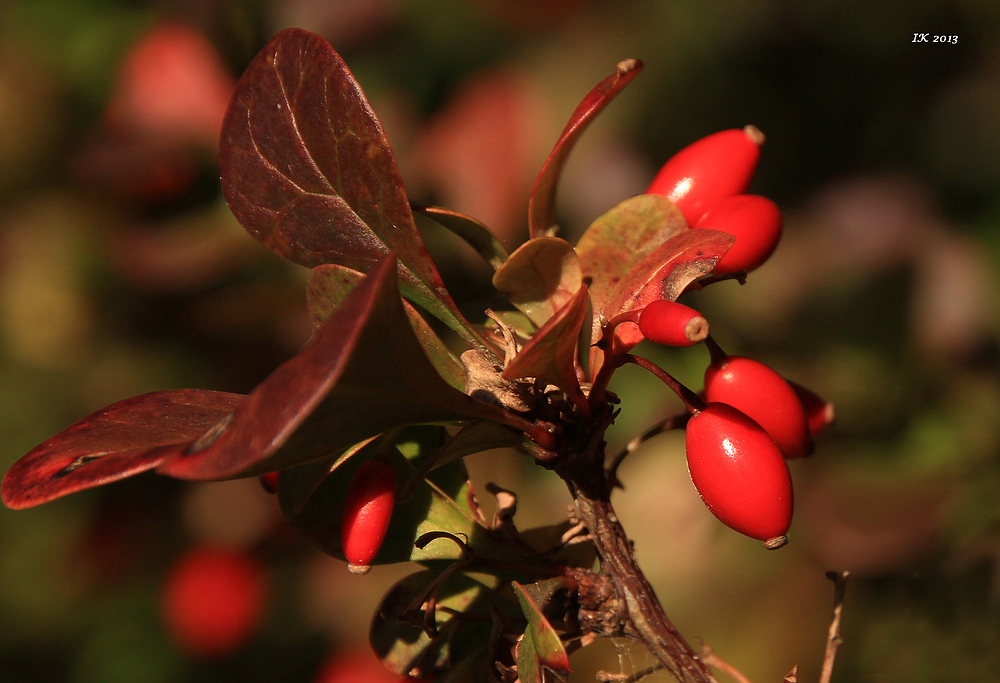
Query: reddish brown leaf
[(330, 283), (665, 273), (364, 372), (622, 237), (124, 439), (550, 354), (541, 206), (307, 170)]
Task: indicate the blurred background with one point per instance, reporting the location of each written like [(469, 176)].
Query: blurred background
[(122, 272)]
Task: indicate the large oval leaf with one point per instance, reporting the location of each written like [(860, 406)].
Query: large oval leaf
[(123, 439), (363, 373), (307, 170), (620, 239), (541, 205)]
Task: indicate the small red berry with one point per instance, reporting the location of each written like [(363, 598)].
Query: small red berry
[(708, 170), (755, 389), (354, 666), (819, 413), (672, 324), (270, 482), (367, 512), (213, 600), (754, 221), (740, 473)]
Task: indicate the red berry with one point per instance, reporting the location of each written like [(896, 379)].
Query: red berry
[(270, 482), (367, 511), (754, 221), (819, 413), (708, 170), (213, 600), (354, 666), (740, 473), (672, 324), (765, 396)]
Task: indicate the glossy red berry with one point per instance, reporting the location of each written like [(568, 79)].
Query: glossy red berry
[(740, 473), (354, 666), (765, 396), (708, 170), (672, 324), (819, 413), (754, 221), (213, 600), (367, 512), (270, 482)]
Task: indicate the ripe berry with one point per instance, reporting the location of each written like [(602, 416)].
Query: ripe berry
[(754, 221), (354, 666), (213, 601), (740, 473), (672, 324), (367, 512), (765, 396), (708, 170), (270, 482), (819, 413)]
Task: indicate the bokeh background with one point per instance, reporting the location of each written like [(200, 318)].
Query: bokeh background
[(122, 271)]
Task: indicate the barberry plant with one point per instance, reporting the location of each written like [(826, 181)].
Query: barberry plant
[(368, 425)]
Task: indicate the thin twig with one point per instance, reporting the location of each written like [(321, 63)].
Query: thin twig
[(633, 678), (833, 640), (713, 660), (672, 422)]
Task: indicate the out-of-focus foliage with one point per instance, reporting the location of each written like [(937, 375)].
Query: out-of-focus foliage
[(122, 271)]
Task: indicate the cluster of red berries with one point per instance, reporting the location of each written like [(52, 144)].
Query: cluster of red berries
[(751, 419)]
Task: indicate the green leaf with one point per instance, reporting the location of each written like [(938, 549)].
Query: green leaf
[(551, 352), (474, 232), (618, 241), (406, 648), (296, 485), (307, 170), (363, 373), (541, 205), (540, 277), (540, 645), (329, 284)]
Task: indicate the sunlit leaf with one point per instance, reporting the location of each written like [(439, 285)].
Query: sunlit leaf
[(363, 373), (541, 206), (551, 353), (329, 284), (540, 646), (475, 233), (540, 277), (620, 239), (405, 648), (118, 441), (307, 170)]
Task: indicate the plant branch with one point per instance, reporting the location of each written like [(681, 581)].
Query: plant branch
[(672, 422), (641, 617), (692, 401), (713, 660), (833, 640)]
